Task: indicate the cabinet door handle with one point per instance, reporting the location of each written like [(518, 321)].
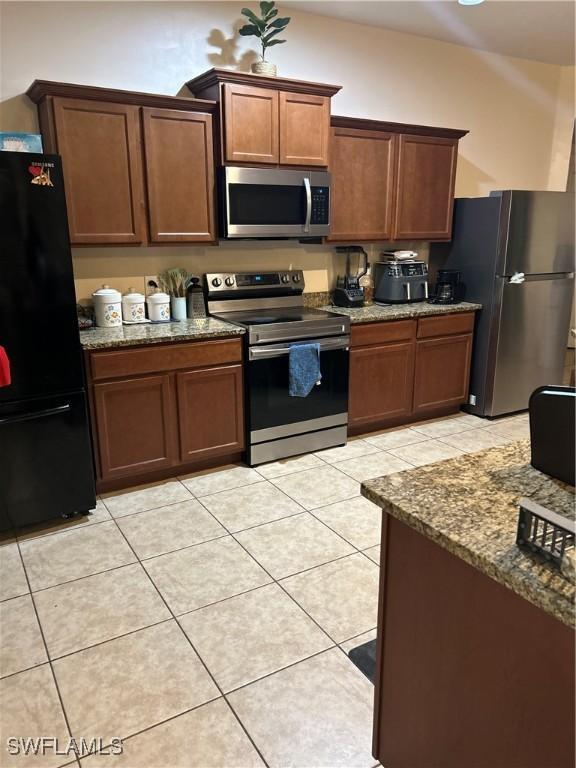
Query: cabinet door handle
[(308, 204)]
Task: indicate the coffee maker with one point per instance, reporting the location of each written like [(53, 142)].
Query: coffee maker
[(448, 289)]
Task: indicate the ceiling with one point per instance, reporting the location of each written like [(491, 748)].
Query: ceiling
[(542, 30)]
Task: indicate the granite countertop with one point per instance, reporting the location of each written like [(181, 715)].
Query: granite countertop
[(156, 333), (469, 506), (374, 313)]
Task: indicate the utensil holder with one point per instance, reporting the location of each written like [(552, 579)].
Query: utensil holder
[(178, 307)]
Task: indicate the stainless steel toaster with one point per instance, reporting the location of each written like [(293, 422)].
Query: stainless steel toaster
[(397, 282)]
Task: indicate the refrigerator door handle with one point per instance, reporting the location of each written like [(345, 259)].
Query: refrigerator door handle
[(517, 278), (36, 415)]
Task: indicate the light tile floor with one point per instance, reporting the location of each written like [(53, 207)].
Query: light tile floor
[(206, 621)]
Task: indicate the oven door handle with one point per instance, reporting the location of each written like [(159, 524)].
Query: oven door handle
[(260, 353), (308, 190)]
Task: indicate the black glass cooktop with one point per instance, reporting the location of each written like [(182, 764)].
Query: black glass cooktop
[(279, 315)]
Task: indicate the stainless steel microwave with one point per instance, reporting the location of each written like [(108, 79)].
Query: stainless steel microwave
[(271, 202)]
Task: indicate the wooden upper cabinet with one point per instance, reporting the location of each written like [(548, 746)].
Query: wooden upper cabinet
[(179, 165), (250, 124), (304, 129), (269, 120), (391, 181), (426, 174), (101, 158), (117, 144), (362, 164)]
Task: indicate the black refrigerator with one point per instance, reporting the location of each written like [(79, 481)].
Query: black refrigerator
[(515, 252), (46, 467)]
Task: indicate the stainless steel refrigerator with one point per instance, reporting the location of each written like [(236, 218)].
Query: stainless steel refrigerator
[(515, 252)]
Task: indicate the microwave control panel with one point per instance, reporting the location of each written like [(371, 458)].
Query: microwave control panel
[(320, 205)]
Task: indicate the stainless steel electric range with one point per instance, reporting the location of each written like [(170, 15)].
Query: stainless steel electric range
[(269, 306)]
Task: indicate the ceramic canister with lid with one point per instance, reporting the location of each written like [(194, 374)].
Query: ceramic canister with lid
[(133, 307), (107, 307), (158, 307)]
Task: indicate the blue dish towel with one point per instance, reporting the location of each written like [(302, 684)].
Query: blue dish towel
[(303, 369)]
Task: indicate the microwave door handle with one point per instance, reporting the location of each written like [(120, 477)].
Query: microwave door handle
[(308, 191)]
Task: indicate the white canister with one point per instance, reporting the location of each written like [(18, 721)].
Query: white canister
[(158, 307), (133, 306), (107, 307)]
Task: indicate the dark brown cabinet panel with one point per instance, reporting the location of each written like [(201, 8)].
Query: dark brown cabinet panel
[(211, 416), (426, 173), (163, 409), (391, 181), (269, 120), (179, 163), (250, 124), (304, 129), (135, 425), (362, 164), (101, 156), (380, 383), (442, 372)]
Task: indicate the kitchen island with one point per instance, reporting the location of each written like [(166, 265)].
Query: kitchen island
[(475, 649)]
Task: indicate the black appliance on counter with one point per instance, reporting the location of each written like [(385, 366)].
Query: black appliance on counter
[(46, 467), (552, 431), (448, 289), (269, 306), (400, 282), (348, 291)]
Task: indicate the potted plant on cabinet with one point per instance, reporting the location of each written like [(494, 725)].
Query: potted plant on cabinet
[(265, 27)]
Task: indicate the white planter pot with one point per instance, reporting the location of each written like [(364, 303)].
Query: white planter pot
[(158, 307), (107, 307)]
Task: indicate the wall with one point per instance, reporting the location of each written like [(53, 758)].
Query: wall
[(518, 112)]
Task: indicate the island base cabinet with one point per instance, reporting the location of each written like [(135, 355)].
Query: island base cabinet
[(471, 674), (380, 383), (134, 419), (210, 407)]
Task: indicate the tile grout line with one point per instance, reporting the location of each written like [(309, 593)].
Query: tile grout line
[(278, 583), (54, 678), (210, 675)]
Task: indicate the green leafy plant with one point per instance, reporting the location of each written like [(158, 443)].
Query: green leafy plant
[(265, 27)]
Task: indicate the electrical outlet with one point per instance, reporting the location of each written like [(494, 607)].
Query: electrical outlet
[(148, 279)]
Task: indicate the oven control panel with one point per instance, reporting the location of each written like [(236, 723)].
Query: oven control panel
[(254, 283)]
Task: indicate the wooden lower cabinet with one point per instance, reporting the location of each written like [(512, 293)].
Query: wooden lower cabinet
[(402, 371), (135, 425), (380, 383), (211, 412), (180, 408), (442, 372)]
